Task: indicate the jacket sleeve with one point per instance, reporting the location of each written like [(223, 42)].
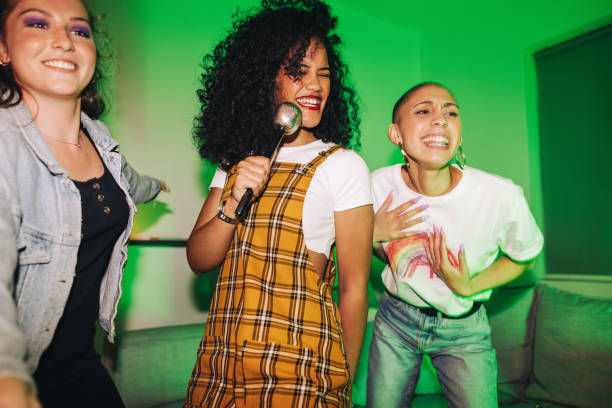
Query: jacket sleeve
[(12, 339), (142, 188)]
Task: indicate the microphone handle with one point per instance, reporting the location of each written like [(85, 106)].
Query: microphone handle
[(244, 204), (245, 201)]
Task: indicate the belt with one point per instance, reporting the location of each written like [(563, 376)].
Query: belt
[(430, 311)]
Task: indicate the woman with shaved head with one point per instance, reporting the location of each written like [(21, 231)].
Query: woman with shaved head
[(470, 232)]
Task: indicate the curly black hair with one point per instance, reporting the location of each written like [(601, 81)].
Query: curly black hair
[(237, 94), (92, 100)]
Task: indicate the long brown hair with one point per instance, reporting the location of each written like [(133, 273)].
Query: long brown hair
[(92, 101)]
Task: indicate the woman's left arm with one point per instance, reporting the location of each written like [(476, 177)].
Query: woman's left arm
[(142, 188), (502, 271), (354, 256)]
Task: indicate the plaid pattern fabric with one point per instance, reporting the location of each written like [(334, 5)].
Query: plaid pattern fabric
[(273, 336)]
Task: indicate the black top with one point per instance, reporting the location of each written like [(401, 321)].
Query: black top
[(71, 353)]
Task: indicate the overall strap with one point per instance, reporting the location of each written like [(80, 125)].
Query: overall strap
[(307, 169), (310, 167)]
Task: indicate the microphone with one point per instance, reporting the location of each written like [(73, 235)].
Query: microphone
[(287, 120)]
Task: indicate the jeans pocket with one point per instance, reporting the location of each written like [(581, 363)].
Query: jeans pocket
[(388, 301), (474, 326)]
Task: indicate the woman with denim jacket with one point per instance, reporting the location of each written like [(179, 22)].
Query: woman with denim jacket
[(67, 200)]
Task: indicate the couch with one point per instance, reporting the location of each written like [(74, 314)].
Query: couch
[(554, 349)]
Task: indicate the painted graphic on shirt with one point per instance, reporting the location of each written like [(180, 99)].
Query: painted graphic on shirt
[(415, 279), (407, 256)]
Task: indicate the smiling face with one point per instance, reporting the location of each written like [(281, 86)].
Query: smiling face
[(311, 90), (50, 47), (428, 127)]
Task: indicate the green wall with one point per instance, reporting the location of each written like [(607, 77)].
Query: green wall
[(482, 50)]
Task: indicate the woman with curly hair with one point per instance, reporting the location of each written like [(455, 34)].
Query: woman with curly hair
[(274, 335), (67, 201)]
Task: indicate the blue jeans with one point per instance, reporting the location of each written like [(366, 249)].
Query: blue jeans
[(460, 351)]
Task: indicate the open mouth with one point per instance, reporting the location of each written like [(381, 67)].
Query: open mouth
[(436, 141), (61, 64), (309, 102)]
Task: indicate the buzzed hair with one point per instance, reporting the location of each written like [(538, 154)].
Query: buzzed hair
[(402, 100)]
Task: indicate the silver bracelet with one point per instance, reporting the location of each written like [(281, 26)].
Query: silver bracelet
[(221, 215)]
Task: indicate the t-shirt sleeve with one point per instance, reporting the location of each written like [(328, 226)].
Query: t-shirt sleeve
[(382, 186), (519, 236), (349, 179), (218, 179)]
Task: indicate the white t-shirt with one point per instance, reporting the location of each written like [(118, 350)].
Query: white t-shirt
[(484, 212), (340, 183)]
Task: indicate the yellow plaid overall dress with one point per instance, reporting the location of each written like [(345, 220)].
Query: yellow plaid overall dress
[(273, 336)]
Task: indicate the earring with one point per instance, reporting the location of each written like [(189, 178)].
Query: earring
[(404, 154), (3, 64), (460, 158)]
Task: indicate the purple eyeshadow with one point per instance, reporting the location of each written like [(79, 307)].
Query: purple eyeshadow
[(83, 30), (34, 20)]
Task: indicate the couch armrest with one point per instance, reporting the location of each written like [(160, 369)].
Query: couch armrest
[(153, 366)]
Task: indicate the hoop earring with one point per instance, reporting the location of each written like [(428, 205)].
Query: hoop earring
[(4, 64), (460, 158), (405, 155)]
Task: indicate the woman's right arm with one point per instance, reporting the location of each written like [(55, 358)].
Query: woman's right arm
[(211, 236), (390, 225), (15, 383), (16, 393)]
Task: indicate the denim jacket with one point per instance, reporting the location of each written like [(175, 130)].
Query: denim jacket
[(40, 233)]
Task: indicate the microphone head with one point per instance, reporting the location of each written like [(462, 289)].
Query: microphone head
[(288, 117)]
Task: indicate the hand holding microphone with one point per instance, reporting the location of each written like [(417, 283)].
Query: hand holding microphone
[(287, 120), (251, 175)]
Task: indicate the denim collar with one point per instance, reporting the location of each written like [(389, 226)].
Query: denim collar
[(32, 136)]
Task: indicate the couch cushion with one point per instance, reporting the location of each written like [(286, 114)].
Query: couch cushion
[(179, 404), (524, 404), (573, 349), (154, 365), (428, 401), (511, 318)]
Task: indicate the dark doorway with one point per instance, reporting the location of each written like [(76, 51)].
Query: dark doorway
[(575, 117)]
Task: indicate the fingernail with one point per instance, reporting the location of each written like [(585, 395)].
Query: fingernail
[(441, 230), (435, 229), (424, 206), (416, 200), (461, 249), (425, 217), (390, 192)]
